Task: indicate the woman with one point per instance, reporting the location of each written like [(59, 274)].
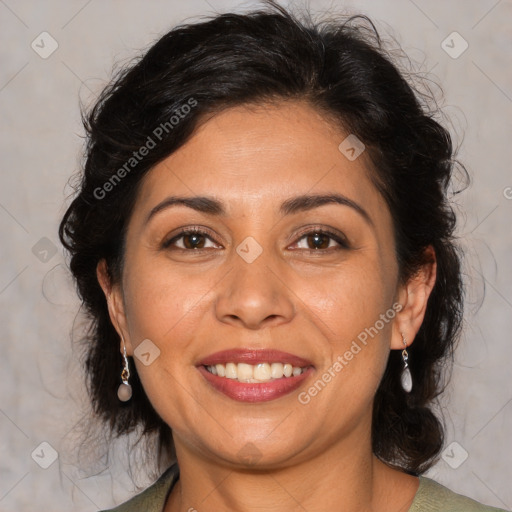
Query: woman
[(263, 241)]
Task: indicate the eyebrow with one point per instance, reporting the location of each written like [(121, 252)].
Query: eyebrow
[(214, 207)]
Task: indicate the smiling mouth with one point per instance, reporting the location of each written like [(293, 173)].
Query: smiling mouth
[(248, 375), (255, 373)]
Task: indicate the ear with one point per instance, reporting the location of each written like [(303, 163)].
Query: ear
[(116, 308), (413, 297)]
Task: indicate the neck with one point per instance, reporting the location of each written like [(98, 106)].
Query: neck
[(342, 476)]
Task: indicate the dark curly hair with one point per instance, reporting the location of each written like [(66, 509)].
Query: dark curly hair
[(340, 67)]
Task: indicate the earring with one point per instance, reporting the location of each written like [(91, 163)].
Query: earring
[(406, 377), (124, 392)]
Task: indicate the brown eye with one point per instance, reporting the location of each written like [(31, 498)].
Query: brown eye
[(191, 239), (320, 240)]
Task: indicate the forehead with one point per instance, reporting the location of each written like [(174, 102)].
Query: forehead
[(257, 155)]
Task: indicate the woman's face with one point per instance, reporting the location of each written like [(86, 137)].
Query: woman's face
[(270, 269)]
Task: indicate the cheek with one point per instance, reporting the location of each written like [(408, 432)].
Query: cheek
[(350, 298), (353, 306), (335, 307), (166, 304), (162, 301), (166, 307)]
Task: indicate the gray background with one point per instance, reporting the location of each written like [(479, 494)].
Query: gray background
[(42, 395)]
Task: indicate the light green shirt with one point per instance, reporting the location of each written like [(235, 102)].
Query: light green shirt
[(430, 497)]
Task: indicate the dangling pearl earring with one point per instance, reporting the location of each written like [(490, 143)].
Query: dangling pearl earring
[(406, 377), (124, 392)]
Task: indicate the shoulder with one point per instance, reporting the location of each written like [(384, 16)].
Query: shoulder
[(153, 498), (434, 497)]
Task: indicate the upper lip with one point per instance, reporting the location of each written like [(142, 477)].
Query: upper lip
[(245, 355)]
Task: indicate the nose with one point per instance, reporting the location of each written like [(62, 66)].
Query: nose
[(254, 295)]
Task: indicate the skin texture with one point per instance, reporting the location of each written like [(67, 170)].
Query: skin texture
[(313, 303)]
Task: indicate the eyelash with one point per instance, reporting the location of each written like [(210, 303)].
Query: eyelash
[(341, 240)]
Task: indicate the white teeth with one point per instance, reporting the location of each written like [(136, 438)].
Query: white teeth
[(221, 370), (244, 371), (262, 372), (231, 371), (276, 370)]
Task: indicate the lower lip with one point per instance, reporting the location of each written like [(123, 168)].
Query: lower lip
[(254, 392)]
